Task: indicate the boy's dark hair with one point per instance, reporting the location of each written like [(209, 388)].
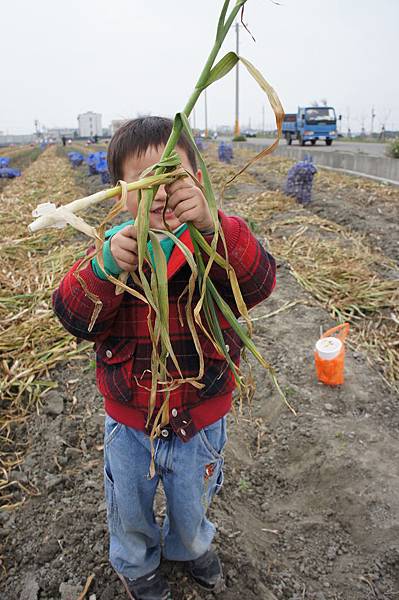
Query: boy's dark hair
[(135, 136)]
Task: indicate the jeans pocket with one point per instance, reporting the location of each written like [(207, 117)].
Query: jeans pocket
[(214, 479), (111, 430), (219, 479), (214, 438), (110, 500)]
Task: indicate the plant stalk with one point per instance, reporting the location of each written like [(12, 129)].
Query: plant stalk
[(220, 37)]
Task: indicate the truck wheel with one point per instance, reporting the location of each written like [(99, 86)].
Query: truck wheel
[(289, 139), (328, 142), (313, 142)]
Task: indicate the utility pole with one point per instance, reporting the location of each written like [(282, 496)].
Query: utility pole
[(206, 114), (372, 119), (263, 120), (383, 125), (348, 116), (363, 131), (237, 121)]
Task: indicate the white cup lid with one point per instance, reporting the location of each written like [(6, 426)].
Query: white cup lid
[(328, 347)]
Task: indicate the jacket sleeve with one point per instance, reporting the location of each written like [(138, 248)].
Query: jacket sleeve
[(254, 266), (75, 309)]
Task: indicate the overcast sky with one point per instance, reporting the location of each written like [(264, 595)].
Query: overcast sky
[(127, 57)]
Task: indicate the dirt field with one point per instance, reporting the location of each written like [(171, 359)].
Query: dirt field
[(20, 158), (358, 203), (310, 505)]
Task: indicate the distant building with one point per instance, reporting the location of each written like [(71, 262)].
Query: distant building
[(8, 140), (89, 124), (116, 124), (56, 133)]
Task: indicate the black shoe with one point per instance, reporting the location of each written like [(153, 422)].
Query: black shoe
[(149, 587), (207, 571)]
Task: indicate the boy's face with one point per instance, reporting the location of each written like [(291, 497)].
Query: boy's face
[(132, 171)]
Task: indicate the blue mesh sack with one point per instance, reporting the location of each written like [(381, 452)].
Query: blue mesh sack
[(97, 157), (94, 159), (91, 158), (8, 173), (76, 158), (4, 161), (225, 152), (199, 143), (300, 180), (102, 168), (228, 153), (105, 177), (92, 162)]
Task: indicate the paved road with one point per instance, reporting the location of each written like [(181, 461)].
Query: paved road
[(370, 148)]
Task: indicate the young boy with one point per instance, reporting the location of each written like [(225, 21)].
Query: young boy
[(188, 452)]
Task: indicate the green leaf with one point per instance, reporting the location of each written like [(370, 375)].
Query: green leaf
[(207, 182), (221, 69), (163, 297)]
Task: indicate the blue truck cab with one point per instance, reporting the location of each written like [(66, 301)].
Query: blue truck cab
[(309, 124)]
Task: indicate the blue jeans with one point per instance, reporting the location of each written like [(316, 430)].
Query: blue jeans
[(191, 474)]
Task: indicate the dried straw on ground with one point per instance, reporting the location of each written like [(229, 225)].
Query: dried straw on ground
[(337, 266), (31, 340)]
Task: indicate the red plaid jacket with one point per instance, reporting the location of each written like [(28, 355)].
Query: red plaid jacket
[(123, 346)]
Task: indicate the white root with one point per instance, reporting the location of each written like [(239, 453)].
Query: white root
[(51, 216)]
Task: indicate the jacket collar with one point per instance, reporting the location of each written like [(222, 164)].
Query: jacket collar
[(177, 258)]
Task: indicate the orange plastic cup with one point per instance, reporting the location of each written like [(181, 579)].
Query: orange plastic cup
[(331, 370)]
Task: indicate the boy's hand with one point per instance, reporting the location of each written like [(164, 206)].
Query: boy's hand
[(189, 204), (123, 248)]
